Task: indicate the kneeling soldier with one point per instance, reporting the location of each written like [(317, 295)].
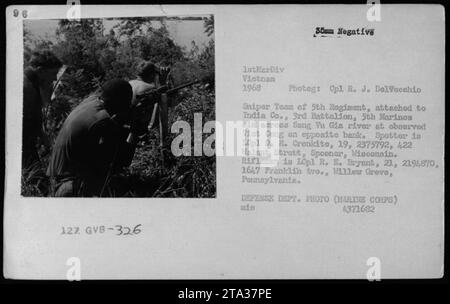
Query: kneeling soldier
[(93, 142)]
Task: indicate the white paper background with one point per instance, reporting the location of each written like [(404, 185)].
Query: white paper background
[(212, 238)]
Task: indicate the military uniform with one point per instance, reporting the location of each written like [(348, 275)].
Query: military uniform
[(89, 146)]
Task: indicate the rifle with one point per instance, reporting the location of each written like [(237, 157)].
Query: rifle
[(164, 89), (158, 99)]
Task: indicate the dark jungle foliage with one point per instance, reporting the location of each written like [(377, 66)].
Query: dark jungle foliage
[(93, 57)]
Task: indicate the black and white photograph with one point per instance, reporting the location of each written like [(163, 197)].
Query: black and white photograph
[(100, 96), (225, 142)]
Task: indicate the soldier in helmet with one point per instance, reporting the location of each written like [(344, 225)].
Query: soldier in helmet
[(147, 80), (92, 142)]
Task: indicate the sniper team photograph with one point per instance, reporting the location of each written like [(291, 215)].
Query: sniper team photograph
[(99, 99)]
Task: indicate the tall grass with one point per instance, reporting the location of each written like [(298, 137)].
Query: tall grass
[(34, 181)]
